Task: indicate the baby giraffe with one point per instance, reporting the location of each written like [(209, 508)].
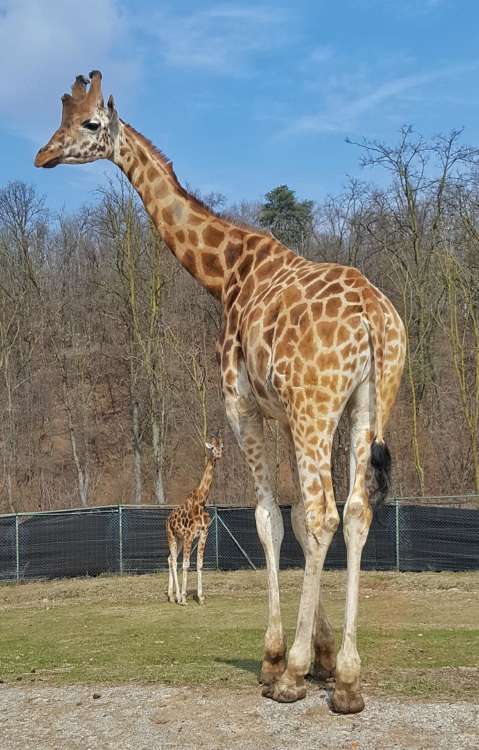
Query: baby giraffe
[(187, 522)]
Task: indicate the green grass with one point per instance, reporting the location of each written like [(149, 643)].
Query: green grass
[(420, 640)]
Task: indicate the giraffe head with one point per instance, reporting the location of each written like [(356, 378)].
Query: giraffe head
[(88, 129), (215, 447)]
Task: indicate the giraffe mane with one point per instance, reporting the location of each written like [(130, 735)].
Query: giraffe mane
[(168, 164), (248, 227), (162, 157)]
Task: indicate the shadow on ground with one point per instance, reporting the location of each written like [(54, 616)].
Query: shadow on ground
[(245, 665)]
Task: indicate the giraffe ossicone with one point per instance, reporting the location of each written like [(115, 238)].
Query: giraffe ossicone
[(301, 343)]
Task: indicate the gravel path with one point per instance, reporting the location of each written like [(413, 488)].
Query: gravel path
[(169, 718)]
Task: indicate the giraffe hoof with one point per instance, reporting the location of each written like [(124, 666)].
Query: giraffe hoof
[(285, 691), (319, 673), (267, 690), (201, 600), (343, 702), (171, 599), (273, 664), (271, 671)]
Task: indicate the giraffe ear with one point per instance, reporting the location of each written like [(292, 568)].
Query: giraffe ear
[(209, 446), (112, 116), (112, 113)]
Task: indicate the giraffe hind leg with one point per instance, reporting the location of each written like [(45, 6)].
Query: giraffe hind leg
[(320, 522), (324, 643), (199, 564), (347, 696)]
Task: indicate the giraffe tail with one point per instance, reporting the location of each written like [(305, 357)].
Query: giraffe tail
[(380, 455), (381, 463)]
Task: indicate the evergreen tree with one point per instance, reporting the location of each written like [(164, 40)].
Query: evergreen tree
[(289, 220)]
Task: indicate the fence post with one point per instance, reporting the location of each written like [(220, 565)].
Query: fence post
[(17, 547), (217, 539), (120, 538), (397, 535)]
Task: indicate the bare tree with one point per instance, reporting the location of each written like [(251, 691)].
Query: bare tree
[(22, 239), (409, 226)]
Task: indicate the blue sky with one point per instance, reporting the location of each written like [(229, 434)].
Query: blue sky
[(243, 96)]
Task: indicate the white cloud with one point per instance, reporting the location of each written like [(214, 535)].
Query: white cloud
[(221, 38), (350, 97), (321, 54), (405, 7), (421, 6), (45, 44)]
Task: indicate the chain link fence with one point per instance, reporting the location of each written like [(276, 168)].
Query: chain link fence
[(132, 539)]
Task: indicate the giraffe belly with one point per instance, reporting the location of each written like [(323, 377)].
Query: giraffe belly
[(271, 406), (257, 384), (325, 359), (315, 341)]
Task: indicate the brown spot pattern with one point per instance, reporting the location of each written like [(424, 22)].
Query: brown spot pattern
[(213, 237), (212, 265)]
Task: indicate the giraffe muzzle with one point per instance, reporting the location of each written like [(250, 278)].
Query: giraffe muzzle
[(47, 159)]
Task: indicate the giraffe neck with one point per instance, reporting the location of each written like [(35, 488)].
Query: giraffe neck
[(205, 484), (206, 245)]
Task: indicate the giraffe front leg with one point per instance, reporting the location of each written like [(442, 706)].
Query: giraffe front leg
[(173, 587), (247, 424), (175, 578), (186, 566), (171, 596)]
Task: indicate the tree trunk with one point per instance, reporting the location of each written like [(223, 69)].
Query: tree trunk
[(136, 442), (157, 456), (82, 473)]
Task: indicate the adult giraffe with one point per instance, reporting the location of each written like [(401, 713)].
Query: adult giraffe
[(301, 342)]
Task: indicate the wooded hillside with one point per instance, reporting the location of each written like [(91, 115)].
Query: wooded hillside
[(108, 380)]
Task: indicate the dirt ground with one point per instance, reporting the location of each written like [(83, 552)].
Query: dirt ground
[(94, 664), (170, 718)]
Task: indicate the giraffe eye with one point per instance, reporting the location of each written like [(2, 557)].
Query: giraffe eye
[(89, 125)]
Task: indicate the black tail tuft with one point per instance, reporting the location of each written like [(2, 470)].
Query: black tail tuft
[(381, 463)]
